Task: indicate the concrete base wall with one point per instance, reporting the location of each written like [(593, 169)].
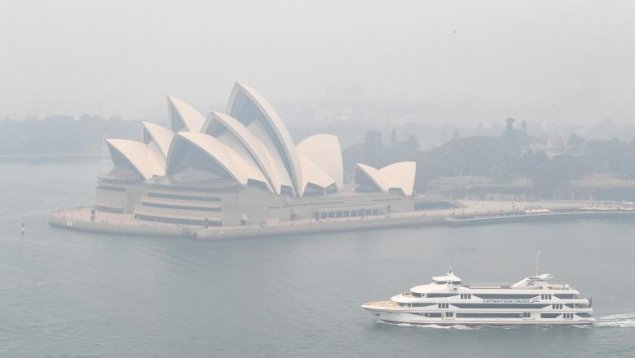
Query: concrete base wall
[(126, 224), (119, 224), (314, 228)]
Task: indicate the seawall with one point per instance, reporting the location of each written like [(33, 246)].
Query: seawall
[(552, 216), (124, 224), (317, 227), (79, 219)]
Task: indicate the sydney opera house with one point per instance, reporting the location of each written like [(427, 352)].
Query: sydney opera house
[(242, 168)]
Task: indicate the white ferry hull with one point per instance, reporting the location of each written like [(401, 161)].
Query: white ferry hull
[(412, 318), (446, 301)]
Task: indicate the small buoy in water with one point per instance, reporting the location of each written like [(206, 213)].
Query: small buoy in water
[(22, 231)]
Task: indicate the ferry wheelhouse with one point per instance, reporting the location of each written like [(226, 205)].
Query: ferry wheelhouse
[(448, 301)]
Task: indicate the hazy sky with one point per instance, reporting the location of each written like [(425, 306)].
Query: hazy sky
[(548, 59)]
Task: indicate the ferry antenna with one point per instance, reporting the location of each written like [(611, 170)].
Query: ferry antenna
[(537, 262)]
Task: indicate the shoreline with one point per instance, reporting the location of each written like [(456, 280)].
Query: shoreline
[(78, 219), (553, 216)]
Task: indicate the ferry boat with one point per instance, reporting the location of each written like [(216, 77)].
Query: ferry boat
[(448, 301)]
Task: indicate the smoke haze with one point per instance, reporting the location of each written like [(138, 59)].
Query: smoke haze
[(540, 60)]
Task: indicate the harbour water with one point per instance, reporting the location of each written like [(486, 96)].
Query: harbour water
[(67, 294)]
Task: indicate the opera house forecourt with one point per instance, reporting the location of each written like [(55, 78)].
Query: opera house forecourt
[(239, 174)]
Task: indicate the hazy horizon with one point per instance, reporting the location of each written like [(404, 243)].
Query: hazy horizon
[(540, 61)]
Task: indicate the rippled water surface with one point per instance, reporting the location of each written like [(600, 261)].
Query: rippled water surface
[(78, 294)]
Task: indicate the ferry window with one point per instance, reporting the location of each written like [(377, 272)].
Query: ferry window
[(449, 314), (487, 315), (421, 304), (499, 305), (441, 294), (549, 315), (565, 296), (526, 314), (520, 296)]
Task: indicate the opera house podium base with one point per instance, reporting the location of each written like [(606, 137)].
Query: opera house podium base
[(80, 219)]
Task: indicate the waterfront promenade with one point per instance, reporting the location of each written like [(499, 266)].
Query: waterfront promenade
[(470, 213)]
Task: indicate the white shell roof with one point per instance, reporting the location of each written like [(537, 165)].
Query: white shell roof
[(160, 135), (274, 122), (313, 174), (189, 118), (140, 155), (261, 132), (374, 175), (229, 159), (256, 148), (325, 152), (399, 175), (253, 144)]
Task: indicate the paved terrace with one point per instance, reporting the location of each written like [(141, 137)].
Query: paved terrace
[(472, 212)]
